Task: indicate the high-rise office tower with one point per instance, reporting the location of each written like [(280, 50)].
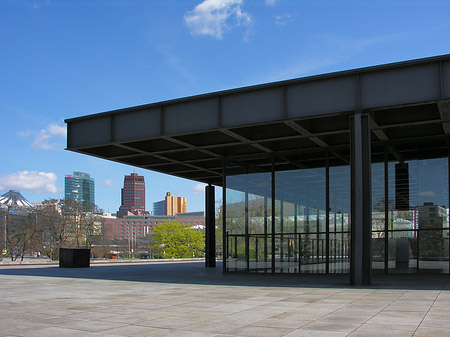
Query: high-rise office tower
[(133, 195), (170, 205), (80, 187)]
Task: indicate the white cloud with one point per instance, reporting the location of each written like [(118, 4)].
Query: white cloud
[(199, 188), (32, 181), (427, 194), (107, 183), (44, 139), (57, 130), (214, 17), (271, 2), (283, 20)]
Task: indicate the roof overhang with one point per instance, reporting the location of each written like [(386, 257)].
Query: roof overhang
[(289, 124)]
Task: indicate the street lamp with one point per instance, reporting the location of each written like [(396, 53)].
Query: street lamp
[(5, 247)]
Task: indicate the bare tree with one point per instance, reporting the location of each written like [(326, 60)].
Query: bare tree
[(53, 227), (24, 234)]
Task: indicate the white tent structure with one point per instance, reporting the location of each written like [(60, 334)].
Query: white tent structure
[(14, 199)]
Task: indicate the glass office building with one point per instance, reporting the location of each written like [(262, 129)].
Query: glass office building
[(80, 187)]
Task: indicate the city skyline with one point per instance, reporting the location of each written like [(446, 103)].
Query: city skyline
[(55, 68)]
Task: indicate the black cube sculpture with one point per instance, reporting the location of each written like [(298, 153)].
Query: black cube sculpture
[(74, 257)]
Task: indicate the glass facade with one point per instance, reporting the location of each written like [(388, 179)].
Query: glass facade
[(81, 188), (278, 221), (298, 221)]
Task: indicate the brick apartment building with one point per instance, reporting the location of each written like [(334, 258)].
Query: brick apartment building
[(140, 226)]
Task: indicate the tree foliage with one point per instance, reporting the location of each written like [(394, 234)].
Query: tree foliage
[(171, 239)]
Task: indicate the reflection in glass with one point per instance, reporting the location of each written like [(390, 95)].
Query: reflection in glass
[(339, 218), (418, 216), (248, 222), (378, 217), (301, 239)]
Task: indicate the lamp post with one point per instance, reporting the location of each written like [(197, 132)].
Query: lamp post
[(5, 245), (4, 239)]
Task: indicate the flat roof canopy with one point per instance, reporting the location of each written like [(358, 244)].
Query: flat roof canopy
[(290, 123)]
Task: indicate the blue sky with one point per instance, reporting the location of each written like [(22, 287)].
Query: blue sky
[(61, 59)]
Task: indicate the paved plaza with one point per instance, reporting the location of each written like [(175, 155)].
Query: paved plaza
[(186, 299)]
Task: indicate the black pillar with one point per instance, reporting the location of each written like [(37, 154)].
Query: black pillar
[(361, 208), (210, 237)]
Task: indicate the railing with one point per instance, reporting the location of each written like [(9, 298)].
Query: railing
[(288, 252)]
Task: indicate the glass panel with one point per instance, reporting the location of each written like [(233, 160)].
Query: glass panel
[(378, 216), (300, 208), (402, 257), (433, 251), (339, 218), (247, 222), (432, 215), (402, 217), (378, 242), (418, 216)]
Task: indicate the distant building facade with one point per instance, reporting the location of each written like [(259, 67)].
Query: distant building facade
[(432, 216), (133, 195), (80, 187), (170, 205), (140, 226)]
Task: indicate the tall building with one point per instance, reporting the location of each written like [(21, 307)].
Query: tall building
[(80, 187), (170, 205), (133, 195)]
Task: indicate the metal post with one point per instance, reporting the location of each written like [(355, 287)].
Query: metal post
[(386, 211), (327, 213), (224, 217), (210, 237), (265, 226), (281, 227), (273, 213), (247, 238), (361, 212), (5, 247), (296, 242)]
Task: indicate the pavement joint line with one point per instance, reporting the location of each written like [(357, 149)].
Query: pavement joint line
[(373, 314), (434, 301)]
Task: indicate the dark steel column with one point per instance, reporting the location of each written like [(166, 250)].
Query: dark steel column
[(224, 217), (327, 213), (361, 208), (265, 226), (210, 233), (247, 238), (386, 211), (281, 226), (273, 213)]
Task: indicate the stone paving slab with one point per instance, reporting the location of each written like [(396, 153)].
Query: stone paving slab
[(186, 299)]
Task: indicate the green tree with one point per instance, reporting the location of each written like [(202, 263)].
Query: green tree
[(171, 239)]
